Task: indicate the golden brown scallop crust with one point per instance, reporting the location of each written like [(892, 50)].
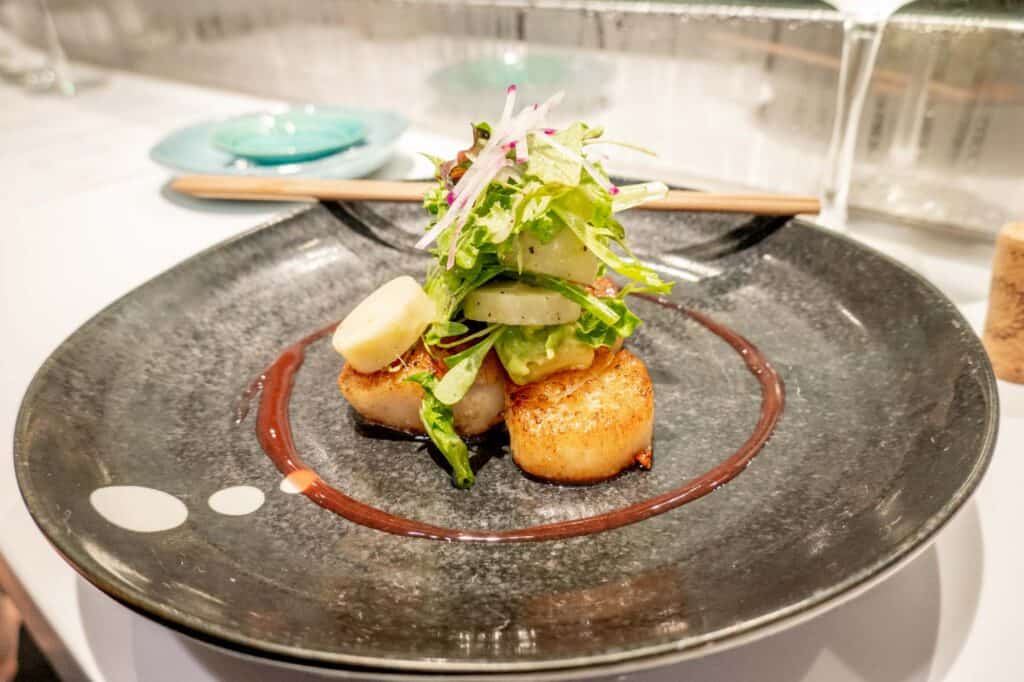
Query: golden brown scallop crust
[(583, 426), (386, 398)]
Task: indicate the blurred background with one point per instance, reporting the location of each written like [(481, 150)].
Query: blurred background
[(733, 96), (730, 94)]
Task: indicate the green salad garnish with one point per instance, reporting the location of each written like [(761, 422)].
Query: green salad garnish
[(522, 224)]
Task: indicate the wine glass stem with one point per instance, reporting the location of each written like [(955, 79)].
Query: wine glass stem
[(860, 48), (58, 61)]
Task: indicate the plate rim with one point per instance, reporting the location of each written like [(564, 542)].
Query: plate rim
[(641, 657)]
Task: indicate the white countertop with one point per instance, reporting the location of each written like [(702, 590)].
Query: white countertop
[(86, 217)]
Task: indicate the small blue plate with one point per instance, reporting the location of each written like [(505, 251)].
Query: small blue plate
[(538, 75), (287, 137), (190, 149)]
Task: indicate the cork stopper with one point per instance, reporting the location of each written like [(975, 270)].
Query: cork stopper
[(1004, 324)]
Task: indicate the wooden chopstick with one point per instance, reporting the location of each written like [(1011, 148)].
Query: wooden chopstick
[(759, 204), (297, 189), (304, 189)]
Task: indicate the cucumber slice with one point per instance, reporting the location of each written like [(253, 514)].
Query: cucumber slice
[(565, 256), (520, 304)]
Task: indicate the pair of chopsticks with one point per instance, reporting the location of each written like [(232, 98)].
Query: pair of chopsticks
[(301, 189)]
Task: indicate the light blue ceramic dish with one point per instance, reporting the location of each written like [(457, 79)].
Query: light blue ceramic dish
[(289, 136), (538, 75), (190, 150)]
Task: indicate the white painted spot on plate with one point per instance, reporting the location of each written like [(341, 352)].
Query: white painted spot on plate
[(138, 508), (298, 481), (238, 500)]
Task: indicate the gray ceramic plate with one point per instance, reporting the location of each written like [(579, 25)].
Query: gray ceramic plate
[(890, 420)]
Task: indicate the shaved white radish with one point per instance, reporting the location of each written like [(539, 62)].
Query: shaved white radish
[(510, 102), (490, 161)]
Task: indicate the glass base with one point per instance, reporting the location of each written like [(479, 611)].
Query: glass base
[(915, 199), (47, 79), (833, 214)]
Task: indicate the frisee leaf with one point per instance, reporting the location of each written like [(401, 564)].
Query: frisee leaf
[(439, 331), (447, 288), (498, 222), (435, 201), (634, 195), (550, 165), (463, 368), (599, 231), (596, 332), (458, 339), (439, 423), (436, 160)]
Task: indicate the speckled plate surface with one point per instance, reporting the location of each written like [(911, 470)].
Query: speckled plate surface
[(890, 419)]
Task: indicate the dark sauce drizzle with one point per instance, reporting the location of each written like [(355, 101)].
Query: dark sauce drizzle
[(274, 431)]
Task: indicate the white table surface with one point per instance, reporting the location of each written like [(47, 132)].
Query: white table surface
[(86, 217)]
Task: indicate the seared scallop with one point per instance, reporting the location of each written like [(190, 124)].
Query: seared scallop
[(583, 426), (386, 398)]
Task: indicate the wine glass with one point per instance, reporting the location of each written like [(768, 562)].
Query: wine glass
[(863, 24), (49, 72)]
